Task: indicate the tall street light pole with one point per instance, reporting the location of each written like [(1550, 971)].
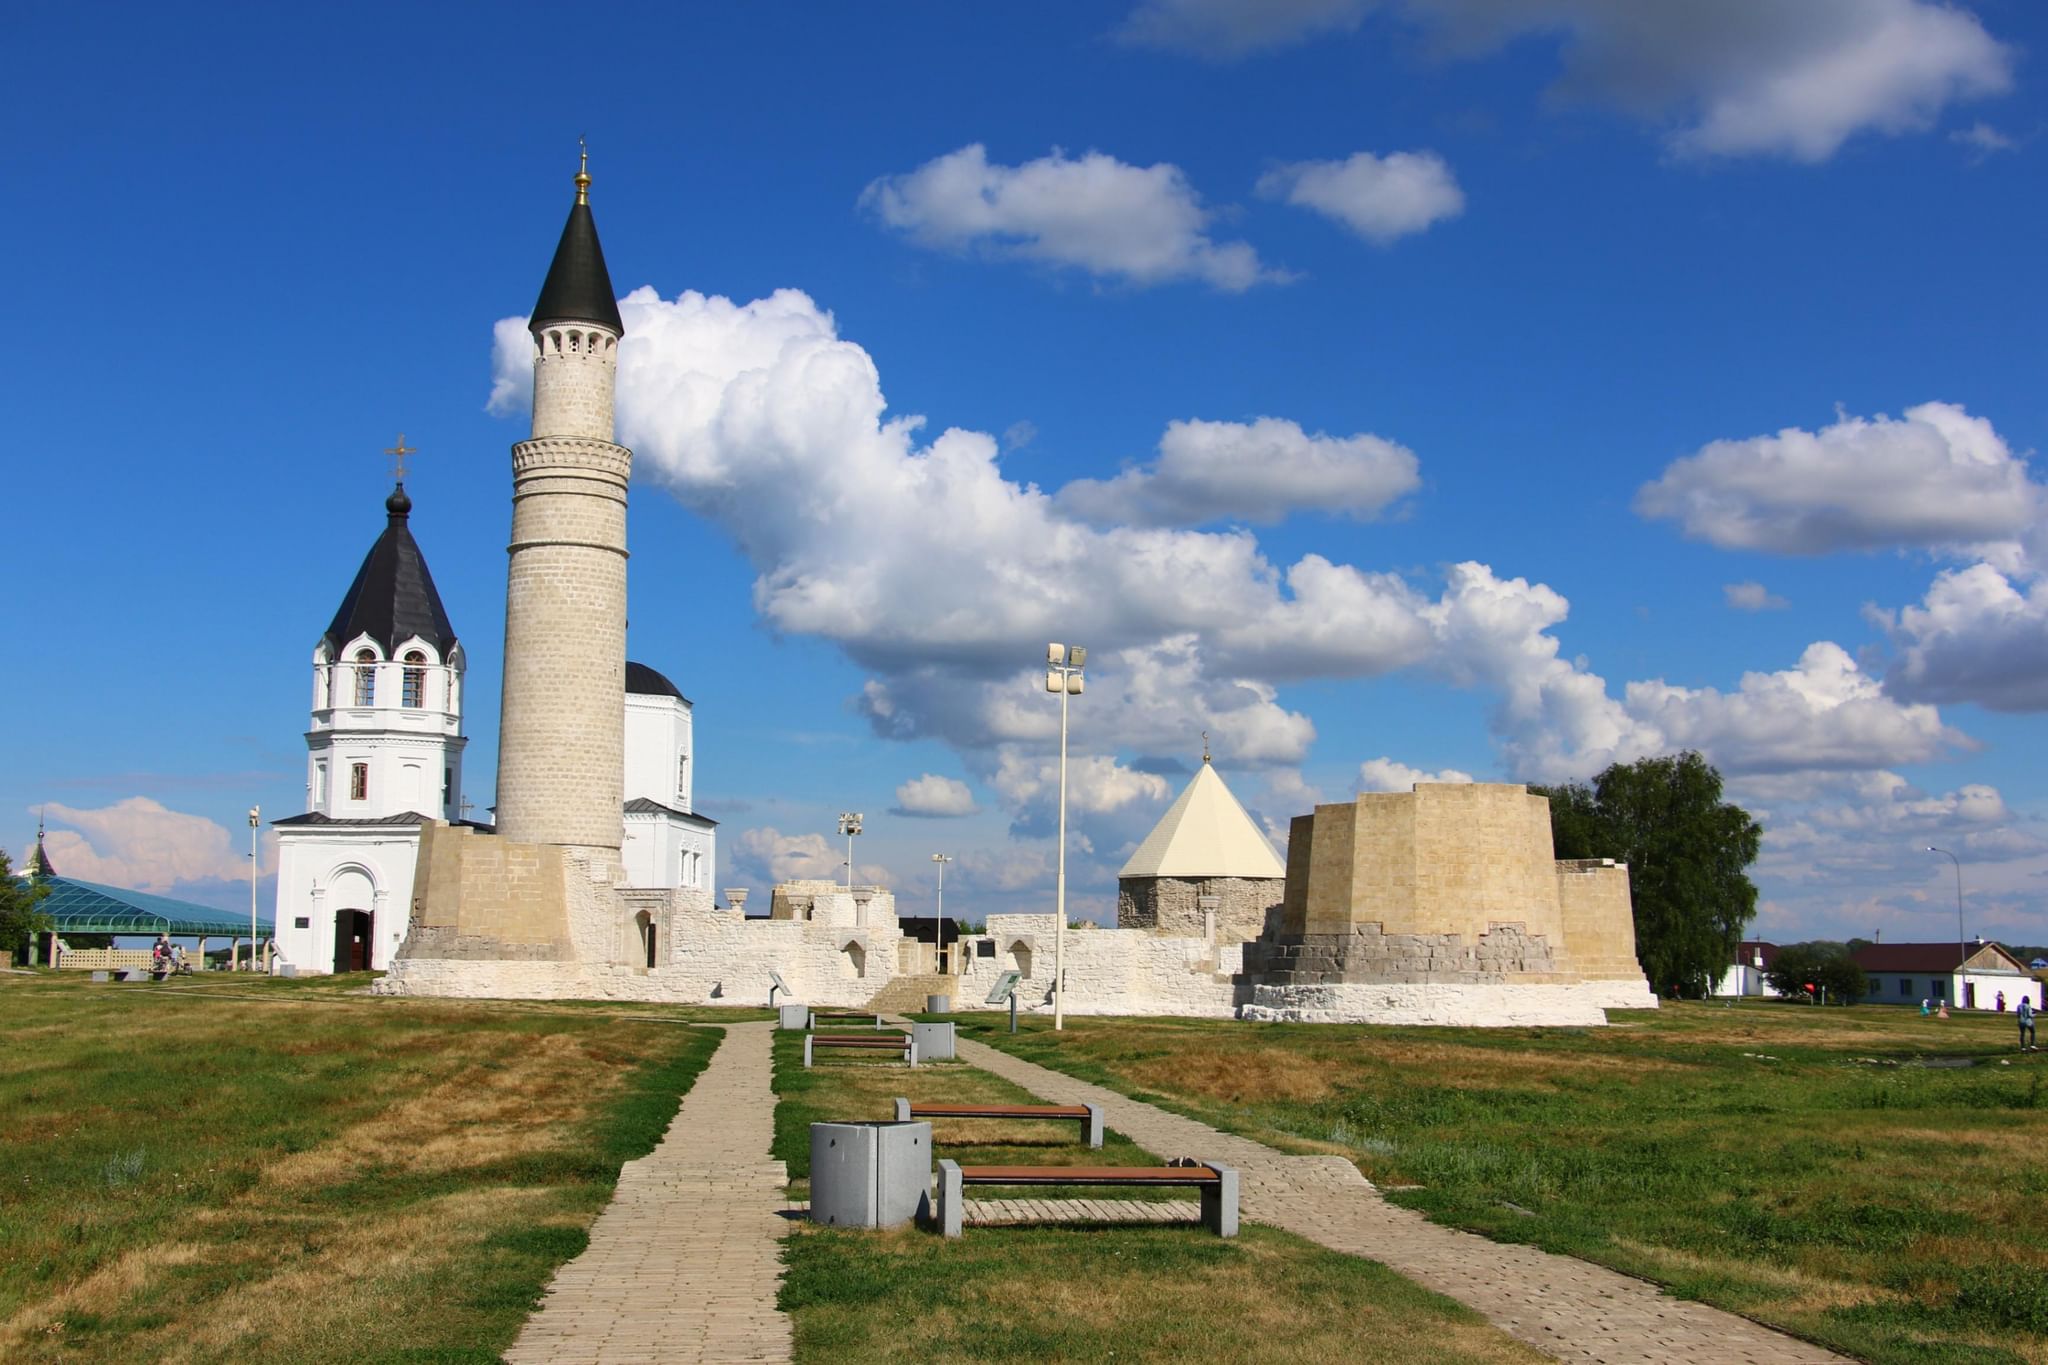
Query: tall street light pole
[(849, 825), (939, 915), (1962, 944), (255, 822), (1063, 664)]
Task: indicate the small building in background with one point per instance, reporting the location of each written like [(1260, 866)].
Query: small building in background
[(1964, 976), (1745, 976), (1205, 871)]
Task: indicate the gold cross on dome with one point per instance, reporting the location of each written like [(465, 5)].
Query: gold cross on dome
[(398, 454)]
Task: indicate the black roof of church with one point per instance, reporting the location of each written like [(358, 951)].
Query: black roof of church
[(393, 597), (642, 681), (578, 287)]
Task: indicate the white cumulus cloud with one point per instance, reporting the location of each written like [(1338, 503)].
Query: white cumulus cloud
[(1936, 477), (1793, 78), (1388, 775), (142, 845), (1257, 471), (1752, 596), (935, 796), (1379, 198), (1976, 636), (1141, 225)]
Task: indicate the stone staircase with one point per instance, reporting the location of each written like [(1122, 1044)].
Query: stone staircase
[(905, 994)]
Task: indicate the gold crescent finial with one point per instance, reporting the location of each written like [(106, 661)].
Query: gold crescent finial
[(583, 173)]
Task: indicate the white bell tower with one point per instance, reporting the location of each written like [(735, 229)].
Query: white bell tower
[(386, 736)]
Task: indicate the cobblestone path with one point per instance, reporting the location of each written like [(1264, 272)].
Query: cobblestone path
[(684, 1263), (1567, 1308)]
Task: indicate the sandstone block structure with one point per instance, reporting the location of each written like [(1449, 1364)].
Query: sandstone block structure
[(1205, 870), (1444, 904)]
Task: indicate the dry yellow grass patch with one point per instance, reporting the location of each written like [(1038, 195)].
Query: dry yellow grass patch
[(39, 1321), (327, 1288), (1811, 1292), (1238, 1075), (508, 1100)]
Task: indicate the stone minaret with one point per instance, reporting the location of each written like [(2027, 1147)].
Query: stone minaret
[(561, 749)]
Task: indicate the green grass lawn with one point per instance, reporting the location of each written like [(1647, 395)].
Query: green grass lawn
[(221, 1169), (1861, 1176), (1074, 1292)]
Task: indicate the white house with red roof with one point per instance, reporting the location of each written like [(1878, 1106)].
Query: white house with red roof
[(1974, 974)]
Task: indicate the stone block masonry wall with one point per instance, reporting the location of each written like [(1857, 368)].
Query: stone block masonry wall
[(1599, 921), (476, 897), (1171, 905), (1367, 955), (561, 747), (1109, 971)]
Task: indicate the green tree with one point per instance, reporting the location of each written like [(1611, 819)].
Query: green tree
[(1824, 966), (20, 920), (1687, 852)]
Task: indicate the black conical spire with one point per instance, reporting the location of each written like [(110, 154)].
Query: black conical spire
[(578, 287), (393, 597)]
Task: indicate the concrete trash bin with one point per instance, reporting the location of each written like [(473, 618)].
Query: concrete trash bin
[(938, 1004), (797, 1017), (870, 1175), (934, 1042)]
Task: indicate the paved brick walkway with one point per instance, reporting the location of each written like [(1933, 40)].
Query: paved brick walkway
[(684, 1263), (1567, 1308)]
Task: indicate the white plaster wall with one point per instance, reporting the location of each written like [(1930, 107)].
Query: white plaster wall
[(714, 957), (311, 862), (658, 733), (1109, 971)]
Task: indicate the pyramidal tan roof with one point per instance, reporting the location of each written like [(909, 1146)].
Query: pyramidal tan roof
[(1204, 834)]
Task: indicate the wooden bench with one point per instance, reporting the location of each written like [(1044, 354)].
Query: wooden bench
[(843, 1017), (884, 1042), (1087, 1115), (1218, 1186)]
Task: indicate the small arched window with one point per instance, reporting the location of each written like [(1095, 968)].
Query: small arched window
[(366, 677), (415, 679)]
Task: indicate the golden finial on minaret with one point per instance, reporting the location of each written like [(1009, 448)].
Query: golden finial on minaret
[(1205, 746), (583, 173)]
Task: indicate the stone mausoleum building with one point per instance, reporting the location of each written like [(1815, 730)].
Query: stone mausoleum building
[(1205, 870)]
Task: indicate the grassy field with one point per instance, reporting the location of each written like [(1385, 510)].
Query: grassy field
[(1075, 1292), (229, 1170), (1862, 1176)]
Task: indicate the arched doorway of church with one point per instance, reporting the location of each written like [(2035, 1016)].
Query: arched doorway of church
[(352, 941)]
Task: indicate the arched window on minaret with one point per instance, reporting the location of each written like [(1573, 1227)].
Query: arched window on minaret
[(366, 677), (415, 679)]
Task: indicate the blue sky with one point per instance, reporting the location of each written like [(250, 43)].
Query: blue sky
[(1389, 389)]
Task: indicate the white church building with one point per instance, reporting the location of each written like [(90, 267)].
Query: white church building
[(384, 755)]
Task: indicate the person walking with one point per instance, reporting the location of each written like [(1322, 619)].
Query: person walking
[(2026, 1018)]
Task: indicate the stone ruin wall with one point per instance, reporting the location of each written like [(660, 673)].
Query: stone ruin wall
[(1171, 905)]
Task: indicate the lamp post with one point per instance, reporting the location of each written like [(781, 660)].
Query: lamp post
[(1063, 664), (255, 822), (849, 825), (1962, 946), (939, 915)]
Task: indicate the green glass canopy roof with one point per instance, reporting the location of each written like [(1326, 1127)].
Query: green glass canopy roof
[(89, 908)]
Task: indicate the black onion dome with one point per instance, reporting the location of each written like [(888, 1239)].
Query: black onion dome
[(578, 287), (642, 681), (393, 598)]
